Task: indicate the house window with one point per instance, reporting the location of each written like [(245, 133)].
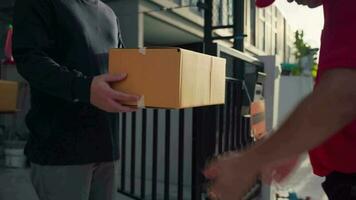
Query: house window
[(276, 12), (264, 36), (223, 12), (191, 3), (252, 22), (217, 13), (261, 35), (194, 7), (231, 11), (275, 43)]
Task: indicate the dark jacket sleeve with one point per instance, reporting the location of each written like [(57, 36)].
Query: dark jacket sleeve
[(33, 43)]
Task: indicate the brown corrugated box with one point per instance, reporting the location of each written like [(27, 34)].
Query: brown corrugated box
[(8, 96), (170, 77)]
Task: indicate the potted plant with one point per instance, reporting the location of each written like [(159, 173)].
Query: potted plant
[(306, 56)]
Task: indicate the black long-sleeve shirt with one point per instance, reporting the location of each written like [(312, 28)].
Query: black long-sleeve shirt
[(59, 46)]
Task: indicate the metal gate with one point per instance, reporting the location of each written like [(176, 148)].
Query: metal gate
[(163, 152)]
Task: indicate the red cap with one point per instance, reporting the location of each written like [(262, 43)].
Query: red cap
[(264, 3)]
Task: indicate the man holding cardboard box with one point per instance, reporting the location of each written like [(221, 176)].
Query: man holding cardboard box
[(61, 48)]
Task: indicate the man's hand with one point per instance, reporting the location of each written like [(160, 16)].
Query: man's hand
[(318, 117), (231, 176), (278, 172), (107, 99), (309, 3)]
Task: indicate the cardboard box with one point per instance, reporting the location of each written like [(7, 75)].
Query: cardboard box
[(171, 77), (8, 96)]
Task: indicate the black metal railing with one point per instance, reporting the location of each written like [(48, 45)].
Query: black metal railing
[(163, 152)]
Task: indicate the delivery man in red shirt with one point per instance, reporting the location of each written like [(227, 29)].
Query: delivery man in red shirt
[(323, 124)]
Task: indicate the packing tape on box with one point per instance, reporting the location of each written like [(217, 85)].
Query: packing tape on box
[(141, 102), (142, 50)]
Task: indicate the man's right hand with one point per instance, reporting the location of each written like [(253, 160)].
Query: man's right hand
[(107, 99)]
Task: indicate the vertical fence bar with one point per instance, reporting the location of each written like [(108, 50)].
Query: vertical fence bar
[(143, 154), (244, 131), (233, 111), (123, 152), (133, 153), (181, 155), (204, 143), (248, 138), (167, 155), (240, 128), (196, 189), (227, 123), (237, 118), (237, 113), (247, 130), (217, 133), (239, 135), (154, 152), (221, 128), (195, 149), (231, 115)]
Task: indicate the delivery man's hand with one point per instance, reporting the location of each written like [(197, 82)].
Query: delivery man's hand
[(231, 176), (107, 99)]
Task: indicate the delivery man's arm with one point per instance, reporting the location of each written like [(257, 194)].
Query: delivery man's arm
[(329, 108), (33, 40)]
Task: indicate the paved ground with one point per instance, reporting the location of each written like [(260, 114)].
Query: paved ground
[(15, 184), (304, 182)]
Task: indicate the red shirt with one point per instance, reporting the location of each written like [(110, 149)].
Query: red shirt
[(338, 50)]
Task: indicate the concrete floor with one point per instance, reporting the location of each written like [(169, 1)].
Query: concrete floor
[(303, 182), (15, 184)]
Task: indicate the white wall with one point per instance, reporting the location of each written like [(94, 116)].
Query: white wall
[(282, 95), (271, 94), (292, 90)]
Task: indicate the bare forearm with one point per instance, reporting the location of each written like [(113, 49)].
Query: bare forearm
[(318, 117)]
